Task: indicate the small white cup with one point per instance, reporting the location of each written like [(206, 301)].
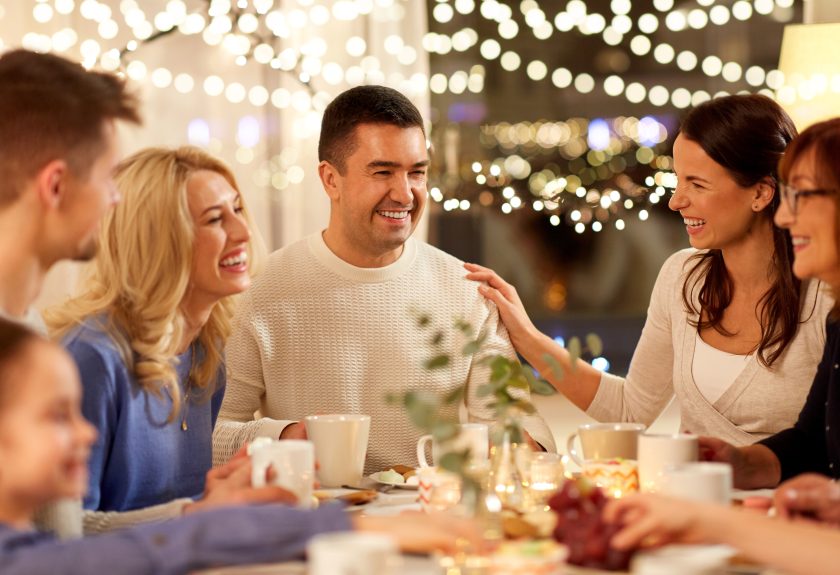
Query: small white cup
[(351, 553), (438, 490), (472, 435), (293, 464), (656, 452), (341, 443), (605, 441), (699, 481)]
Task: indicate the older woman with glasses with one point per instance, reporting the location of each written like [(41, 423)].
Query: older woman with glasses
[(810, 212)]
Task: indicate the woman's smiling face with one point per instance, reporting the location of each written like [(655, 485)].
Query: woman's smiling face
[(813, 229), (717, 211)]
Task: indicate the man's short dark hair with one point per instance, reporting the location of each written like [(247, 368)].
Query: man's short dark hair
[(53, 108), (362, 105)]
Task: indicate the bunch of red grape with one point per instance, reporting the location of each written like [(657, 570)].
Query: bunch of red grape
[(579, 505)]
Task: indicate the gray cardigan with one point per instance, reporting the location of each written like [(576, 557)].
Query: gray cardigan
[(759, 403)]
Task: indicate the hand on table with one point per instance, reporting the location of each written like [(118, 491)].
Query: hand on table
[(654, 519), (417, 532), (504, 295), (810, 494), (230, 484)]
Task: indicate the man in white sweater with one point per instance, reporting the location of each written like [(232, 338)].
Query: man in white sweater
[(328, 326)]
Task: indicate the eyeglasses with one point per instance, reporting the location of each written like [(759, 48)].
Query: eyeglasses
[(791, 195)]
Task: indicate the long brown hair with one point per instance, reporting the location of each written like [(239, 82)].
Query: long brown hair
[(747, 135), (824, 139)]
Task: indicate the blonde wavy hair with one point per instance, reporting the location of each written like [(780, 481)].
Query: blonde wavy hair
[(141, 274)]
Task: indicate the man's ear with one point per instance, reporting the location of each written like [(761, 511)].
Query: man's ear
[(330, 179), (51, 183)]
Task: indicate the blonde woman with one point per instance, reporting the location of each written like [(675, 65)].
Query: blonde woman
[(148, 332)]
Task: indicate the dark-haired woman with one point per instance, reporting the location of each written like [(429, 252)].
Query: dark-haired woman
[(730, 331)]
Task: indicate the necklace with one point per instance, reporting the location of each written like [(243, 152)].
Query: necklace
[(185, 408)]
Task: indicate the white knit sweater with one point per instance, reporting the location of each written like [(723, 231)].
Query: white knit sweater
[(315, 334)]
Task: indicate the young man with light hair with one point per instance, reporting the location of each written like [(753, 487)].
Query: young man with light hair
[(58, 150), (328, 326)]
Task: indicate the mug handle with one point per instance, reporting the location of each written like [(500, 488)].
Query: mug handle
[(421, 450), (570, 448)]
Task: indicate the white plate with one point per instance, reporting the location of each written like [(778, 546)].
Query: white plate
[(397, 485)]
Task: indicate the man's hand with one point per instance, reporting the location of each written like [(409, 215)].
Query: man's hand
[(230, 484), (294, 431), (811, 495)]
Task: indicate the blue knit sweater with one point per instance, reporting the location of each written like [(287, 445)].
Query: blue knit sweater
[(139, 459)]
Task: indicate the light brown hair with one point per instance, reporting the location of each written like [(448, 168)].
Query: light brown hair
[(52, 108)]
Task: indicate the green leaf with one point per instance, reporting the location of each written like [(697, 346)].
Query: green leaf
[(500, 369), (473, 347), (542, 387), (454, 461), (444, 431), (524, 406), (594, 344), (423, 320), (515, 431), (437, 338), (454, 396), (574, 351), (518, 382), (422, 409), (554, 365), (438, 361), (464, 327), (485, 389)]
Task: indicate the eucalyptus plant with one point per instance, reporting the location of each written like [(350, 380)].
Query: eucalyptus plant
[(506, 390)]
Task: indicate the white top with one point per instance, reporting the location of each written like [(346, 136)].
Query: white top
[(315, 334), (714, 370), (759, 403)]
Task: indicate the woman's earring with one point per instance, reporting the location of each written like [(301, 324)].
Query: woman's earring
[(756, 208)]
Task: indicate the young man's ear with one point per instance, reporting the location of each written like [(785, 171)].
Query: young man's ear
[(51, 183), (330, 179)]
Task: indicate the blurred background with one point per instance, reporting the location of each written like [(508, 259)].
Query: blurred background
[(550, 121)]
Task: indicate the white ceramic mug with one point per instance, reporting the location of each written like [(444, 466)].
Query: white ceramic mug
[(472, 435), (292, 462), (341, 442), (699, 481), (656, 452), (605, 441), (352, 553)]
